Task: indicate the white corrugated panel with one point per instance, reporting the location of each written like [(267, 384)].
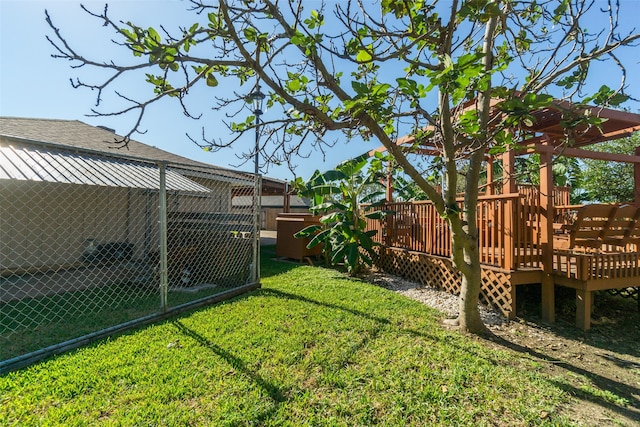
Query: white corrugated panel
[(41, 164)]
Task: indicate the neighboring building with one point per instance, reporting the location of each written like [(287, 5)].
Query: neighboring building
[(273, 205), (65, 187)]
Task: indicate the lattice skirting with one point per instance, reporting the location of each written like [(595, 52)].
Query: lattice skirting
[(439, 273), (626, 293)]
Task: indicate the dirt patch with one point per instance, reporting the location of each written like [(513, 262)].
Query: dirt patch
[(600, 368)]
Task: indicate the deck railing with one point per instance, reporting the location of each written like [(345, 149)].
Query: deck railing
[(593, 266), (561, 195), (508, 228)]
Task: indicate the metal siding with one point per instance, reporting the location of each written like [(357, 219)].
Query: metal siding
[(38, 164), (57, 170), (8, 162), (39, 173)]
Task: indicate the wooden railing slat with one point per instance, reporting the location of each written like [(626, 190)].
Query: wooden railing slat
[(503, 241)]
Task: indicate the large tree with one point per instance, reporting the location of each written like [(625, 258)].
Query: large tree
[(610, 182), (429, 69)]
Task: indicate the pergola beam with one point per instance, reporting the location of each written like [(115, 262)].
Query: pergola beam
[(581, 153)]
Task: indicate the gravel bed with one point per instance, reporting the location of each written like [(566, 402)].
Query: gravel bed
[(435, 298)]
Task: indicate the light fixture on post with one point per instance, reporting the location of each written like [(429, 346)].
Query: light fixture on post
[(256, 98)]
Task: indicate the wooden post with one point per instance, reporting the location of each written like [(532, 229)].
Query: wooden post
[(286, 203), (389, 219), (490, 183), (546, 232), (509, 187), (508, 172), (389, 189), (509, 233), (636, 179), (584, 300)]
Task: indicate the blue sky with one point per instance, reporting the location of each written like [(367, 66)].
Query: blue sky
[(32, 84)]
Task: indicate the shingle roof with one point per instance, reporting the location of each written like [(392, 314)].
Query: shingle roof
[(74, 133)]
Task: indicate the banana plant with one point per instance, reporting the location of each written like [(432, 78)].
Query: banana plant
[(346, 197)]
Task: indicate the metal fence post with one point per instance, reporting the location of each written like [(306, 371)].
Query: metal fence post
[(162, 206), (256, 227)]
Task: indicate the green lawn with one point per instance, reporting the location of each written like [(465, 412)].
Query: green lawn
[(31, 324), (312, 347)]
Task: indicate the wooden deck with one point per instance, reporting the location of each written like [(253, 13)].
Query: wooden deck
[(416, 243)]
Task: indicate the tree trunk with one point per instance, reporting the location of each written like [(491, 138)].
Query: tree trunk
[(469, 318), (466, 259)]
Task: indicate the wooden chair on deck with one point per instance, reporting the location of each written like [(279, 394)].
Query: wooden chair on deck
[(588, 229), (632, 234), (622, 226)]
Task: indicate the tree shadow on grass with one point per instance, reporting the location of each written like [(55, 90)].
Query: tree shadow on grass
[(449, 338), (615, 320), (276, 394), (627, 392), (270, 266)]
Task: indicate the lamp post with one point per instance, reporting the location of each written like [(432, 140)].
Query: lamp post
[(256, 98)]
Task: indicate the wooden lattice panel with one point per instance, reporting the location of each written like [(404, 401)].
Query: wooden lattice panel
[(439, 273), (627, 293), (498, 291)]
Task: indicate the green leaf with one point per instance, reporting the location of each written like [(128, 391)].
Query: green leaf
[(378, 214), (351, 256), (128, 34), (329, 218), (318, 239), (251, 34), (298, 39), (307, 231), (363, 56), (294, 85), (618, 99), (212, 81), (333, 175), (348, 168), (360, 88), (153, 34)]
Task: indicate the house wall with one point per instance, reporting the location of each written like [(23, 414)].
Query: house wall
[(43, 223), (47, 225)]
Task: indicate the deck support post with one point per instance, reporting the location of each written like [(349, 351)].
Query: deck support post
[(546, 233), (584, 302), (389, 221), (548, 299)]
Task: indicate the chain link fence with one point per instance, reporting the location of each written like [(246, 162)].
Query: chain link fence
[(90, 242)]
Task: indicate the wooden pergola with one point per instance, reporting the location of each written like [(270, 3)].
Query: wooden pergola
[(518, 224)]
